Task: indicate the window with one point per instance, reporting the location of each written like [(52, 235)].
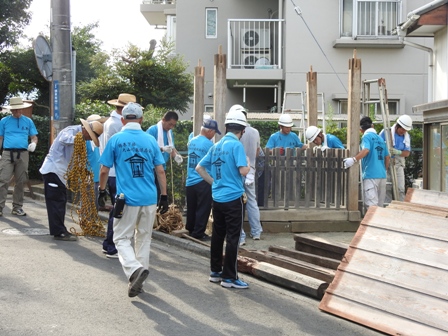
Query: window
[(208, 108), (369, 19), (171, 29), (211, 22)]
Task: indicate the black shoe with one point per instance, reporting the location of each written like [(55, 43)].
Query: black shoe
[(66, 236), (136, 281), (205, 238)]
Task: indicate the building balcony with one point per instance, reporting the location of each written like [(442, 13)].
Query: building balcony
[(254, 52), (155, 11)]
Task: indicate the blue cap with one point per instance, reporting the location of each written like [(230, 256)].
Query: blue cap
[(211, 124)]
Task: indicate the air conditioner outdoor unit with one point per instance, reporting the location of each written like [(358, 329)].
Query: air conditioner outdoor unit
[(254, 59), (257, 38)]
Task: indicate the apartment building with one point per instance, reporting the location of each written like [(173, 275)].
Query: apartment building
[(271, 45)]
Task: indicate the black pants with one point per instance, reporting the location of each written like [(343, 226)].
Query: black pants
[(108, 243), (227, 224), (199, 204), (56, 202)]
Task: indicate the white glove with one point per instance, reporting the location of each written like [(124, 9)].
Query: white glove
[(348, 162), (31, 147), (167, 149), (178, 159), (395, 151), (250, 178), (323, 148)]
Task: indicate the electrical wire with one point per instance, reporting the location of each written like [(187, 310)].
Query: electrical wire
[(299, 13)]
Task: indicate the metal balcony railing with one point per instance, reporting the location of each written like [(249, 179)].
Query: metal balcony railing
[(254, 44)]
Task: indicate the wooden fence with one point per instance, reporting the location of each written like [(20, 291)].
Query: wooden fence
[(302, 179)]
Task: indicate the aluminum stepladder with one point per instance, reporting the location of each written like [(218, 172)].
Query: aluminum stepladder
[(383, 103), (302, 111)]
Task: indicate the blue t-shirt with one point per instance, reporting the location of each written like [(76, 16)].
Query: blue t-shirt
[(153, 130), (373, 166), (135, 154), (399, 141), (333, 141), (93, 159), (197, 148), (15, 131), (278, 139), (223, 160)]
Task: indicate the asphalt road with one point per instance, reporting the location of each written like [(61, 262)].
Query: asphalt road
[(70, 288)]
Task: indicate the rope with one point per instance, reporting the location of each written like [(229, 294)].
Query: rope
[(80, 181)]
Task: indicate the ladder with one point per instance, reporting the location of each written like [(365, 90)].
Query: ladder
[(302, 111), (383, 103)]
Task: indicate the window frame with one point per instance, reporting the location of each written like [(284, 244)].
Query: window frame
[(207, 11)]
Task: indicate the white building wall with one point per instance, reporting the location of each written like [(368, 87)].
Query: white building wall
[(441, 65)]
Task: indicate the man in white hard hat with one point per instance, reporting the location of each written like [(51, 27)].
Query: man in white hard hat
[(401, 148), (227, 163), (325, 140), (284, 138)]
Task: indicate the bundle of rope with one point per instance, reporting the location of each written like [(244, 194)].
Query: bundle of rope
[(80, 181), (172, 219)]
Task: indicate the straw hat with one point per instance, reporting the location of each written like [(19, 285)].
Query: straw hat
[(123, 99), (97, 117), (94, 128), (16, 103)]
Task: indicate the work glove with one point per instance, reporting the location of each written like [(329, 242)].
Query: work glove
[(163, 204), (348, 162), (178, 159), (167, 149), (282, 151), (323, 148), (396, 152), (102, 197), (31, 147), (250, 178)]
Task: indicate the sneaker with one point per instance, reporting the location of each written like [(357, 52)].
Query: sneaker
[(18, 212), (66, 236), (234, 283), (242, 243), (104, 251), (136, 281), (215, 277), (256, 237), (112, 256)]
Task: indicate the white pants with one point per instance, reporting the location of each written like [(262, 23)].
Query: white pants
[(137, 223), (374, 192), (399, 163)]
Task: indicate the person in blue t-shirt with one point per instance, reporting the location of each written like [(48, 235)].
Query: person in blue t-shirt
[(227, 163), (401, 148), (284, 138), (375, 162), (325, 140), (15, 130), (199, 192), (135, 156)]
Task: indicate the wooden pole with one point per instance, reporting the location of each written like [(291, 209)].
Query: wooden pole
[(199, 73), (311, 100), (354, 116), (220, 90)]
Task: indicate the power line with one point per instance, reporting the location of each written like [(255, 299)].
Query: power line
[(299, 13)]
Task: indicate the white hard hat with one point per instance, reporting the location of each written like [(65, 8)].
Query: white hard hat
[(311, 133), (285, 120), (405, 121), (236, 117), (237, 107)]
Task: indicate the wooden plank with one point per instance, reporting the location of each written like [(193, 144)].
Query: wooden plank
[(394, 300), (431, 210), (292, 280), (428, 197), (325, 226), (401, 273), (322, 243), (409, 222), (303, 256), (302, 267)]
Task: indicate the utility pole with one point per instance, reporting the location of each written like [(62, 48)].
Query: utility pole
[(61, 93)]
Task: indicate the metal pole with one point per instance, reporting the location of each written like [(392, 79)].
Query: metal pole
[(62, 65)]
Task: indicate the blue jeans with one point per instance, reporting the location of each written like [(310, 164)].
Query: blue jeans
[(253, 213)]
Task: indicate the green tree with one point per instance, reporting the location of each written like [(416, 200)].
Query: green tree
[(13, 18)]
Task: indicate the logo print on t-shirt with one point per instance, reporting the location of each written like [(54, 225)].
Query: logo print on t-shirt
[(137, 165), (380, 152), (194, 158), (218, 163)]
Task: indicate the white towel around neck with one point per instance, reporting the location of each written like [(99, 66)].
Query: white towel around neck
[(160, 141), (407, 138)]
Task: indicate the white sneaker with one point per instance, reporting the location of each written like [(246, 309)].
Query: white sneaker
[(242, 243)]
